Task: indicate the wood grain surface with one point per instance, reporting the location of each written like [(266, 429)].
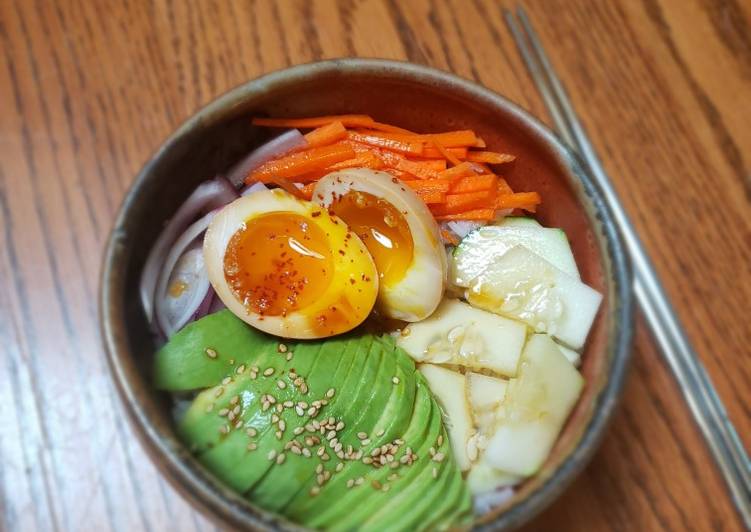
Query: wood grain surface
[(89, 89)]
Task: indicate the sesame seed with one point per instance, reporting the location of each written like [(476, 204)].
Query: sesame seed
[(340, 455), (362, 435), (280, 459), (393, 476), (237, 410), (315, 490), (339, 467), (366, 441), (377, 485), (312, 411), (272, 454), (238, 423), (224, 429), (340, 425), (265, 406), (211, 353), (232, 361), (271, 399), (289, 356), (279, 408), (278, 434), (431, 451), (300, 412), (282, 425), (338, 448), (380, 433), (306, 453), (350, 483), (231, 416), (234, 400), (399, 441), (296, 450), (440, 440), (288, 404), (330, 393), (223, 412), (435, 472), (438, 457), (226, 380), (304, 388), (367, 460), (319, 469), (395, 380), (274, 418), (326, 475), (268, 372), (282, 348), (281, 384), (319, 479), (321, 450), (386, 487), (251, 432), (325, 457), (219, 392), (298, 431), (330, 435), (240, 369), (252, 446)]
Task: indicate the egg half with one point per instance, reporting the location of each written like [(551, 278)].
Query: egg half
[(288, 267), (400, 233)]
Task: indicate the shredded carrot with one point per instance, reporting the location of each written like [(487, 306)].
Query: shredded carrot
[(460, 170), (469, 190), (417, 169), (474, 183), (489, 157), (410, 148), (450, 157), (440, 185), (291, 166), (503, 187), (449, 237), (366, 159), (456, 203), (325, 135), (431, 196), (520, 200), (482, 215), (432, 152)]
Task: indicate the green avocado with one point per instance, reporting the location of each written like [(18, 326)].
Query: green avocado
[(303, 434)]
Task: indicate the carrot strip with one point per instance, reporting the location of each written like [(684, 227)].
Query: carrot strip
[(417, 169), (450, 139), (464, 202), (449, 237), (432, 152), (302, 162), (475, 183), (503, 187), (410, 148), (460, 170), (489, 157), (307, 190), (325, 135), (286, 184), (450, 157), (439, 185), (439, 165), (431, 196), (520, 200), (479, 143), (366, 159), (478, 214)]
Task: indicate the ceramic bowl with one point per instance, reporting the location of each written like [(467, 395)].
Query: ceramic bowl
[(414, 97)]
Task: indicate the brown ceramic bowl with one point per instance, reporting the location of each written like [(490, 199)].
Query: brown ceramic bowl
[(414, 97)]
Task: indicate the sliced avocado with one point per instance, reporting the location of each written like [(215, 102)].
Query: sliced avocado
[(391, 423), (281, 483), (232, 460), (206, 351), (364, 399)]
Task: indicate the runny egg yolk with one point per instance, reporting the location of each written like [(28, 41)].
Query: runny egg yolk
[(383, 230), (278, 263)]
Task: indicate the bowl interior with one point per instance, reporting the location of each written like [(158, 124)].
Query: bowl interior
[(411, 97)]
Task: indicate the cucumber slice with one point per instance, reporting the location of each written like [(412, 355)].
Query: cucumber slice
[(519, 221), (458, 334), (523, 286), (483, 245), (537, 405)]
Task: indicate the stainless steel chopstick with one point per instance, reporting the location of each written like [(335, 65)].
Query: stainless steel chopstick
[(695, 383)]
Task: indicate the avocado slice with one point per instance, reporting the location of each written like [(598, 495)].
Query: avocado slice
[(206, 351), (393, 418), (232, 460), (298, 472)]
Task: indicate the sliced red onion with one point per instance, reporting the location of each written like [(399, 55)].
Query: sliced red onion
[(484, 502), (206, 197), (173, 313), (205, 307), (462, 228), (217, 304), (255, 187), (284, 143)]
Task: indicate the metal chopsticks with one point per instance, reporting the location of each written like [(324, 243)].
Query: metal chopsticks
[(695, 383)]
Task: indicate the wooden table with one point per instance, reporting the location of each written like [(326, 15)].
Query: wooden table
[(88, 90)]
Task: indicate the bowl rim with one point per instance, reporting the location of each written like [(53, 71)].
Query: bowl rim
[(242, 514)]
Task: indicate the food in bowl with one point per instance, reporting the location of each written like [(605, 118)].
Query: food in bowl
[(363, 327)]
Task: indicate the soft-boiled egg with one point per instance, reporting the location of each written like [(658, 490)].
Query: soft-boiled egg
[(400, 233), (288, 267)]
